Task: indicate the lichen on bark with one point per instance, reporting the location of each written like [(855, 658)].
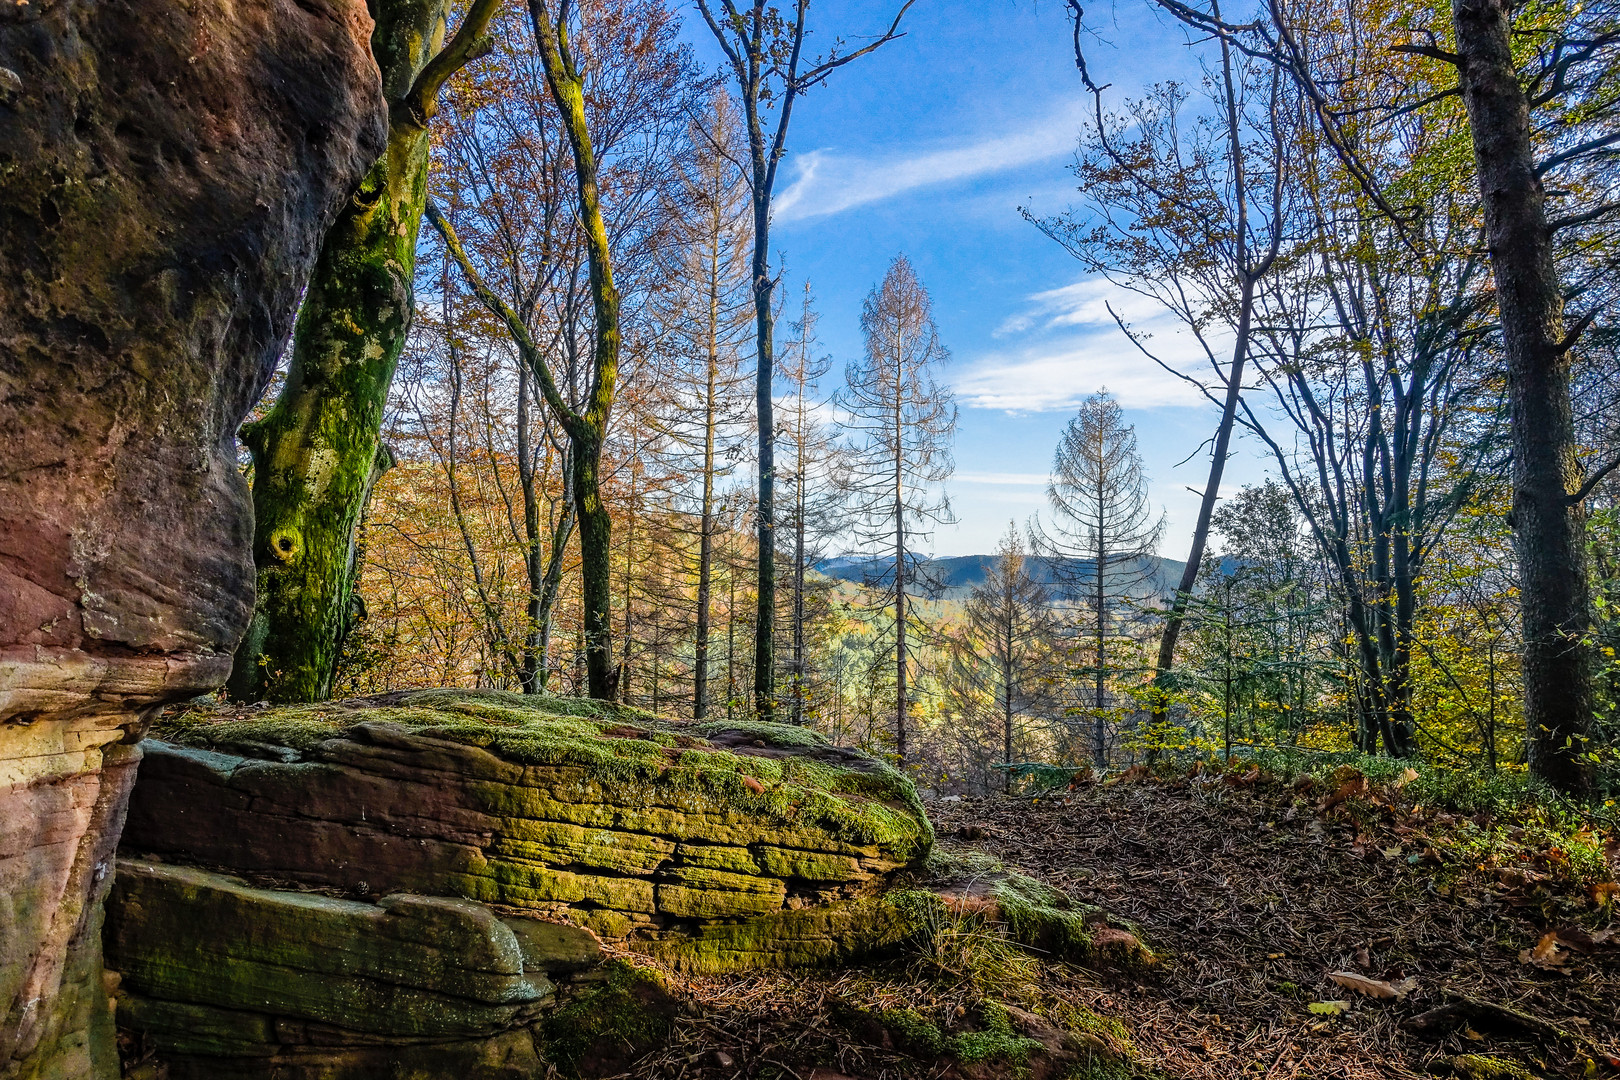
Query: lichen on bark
[(319, 450)]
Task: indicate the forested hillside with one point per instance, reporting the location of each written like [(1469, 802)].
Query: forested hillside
[(616, 459)]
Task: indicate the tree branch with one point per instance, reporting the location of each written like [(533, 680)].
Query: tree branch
[(532, 354), (820, 72), (469, 43), (1593, 480)]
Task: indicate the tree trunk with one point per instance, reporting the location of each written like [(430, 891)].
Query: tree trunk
[(1099, 733), (533, 659), (596, 569), (1007, 701), (899, 575), (1212, 492), (700, 658), (764, 404), (1548, 523), (317, 450), (1234, 389), (798, 587), (314, 452), (552, 587)]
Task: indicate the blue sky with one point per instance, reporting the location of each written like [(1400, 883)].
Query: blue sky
[(928, 147)]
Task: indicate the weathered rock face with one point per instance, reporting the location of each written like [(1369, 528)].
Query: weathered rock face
[(298, 983), (615, 821), (166, 173), (711, 846)]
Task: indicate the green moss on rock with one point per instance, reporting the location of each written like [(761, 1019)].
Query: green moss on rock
[(629, 1013), (804, 937), (409, 966), (1041, 917), (795, 778), (1485, 1067)]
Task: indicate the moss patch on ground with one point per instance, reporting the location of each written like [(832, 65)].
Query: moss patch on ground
[(783, 773), (995, 1040)]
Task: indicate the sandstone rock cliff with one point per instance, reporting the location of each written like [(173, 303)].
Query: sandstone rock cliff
[(432, 858), (166, 173)]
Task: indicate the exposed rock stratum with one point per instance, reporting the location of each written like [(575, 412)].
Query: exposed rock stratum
[(302, 884), (167, 171)]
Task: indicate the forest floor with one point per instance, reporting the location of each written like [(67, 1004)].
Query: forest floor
[(1497, 939)]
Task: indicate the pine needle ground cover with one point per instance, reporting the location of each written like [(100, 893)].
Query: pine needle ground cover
[(1278, 911)]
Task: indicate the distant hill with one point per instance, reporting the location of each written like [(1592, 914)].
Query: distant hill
[(955, 575)]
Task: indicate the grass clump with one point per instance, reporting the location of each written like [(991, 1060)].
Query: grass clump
[(994, 1041)]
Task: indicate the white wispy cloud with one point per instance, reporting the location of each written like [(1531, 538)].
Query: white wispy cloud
[(828, 182), (1071, 347), (1084, 303)]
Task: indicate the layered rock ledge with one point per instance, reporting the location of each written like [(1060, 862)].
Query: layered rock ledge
[(299, 882)]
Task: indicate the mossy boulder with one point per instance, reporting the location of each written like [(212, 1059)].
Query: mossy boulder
[(631, 825), (410, 966), (1034, 914)]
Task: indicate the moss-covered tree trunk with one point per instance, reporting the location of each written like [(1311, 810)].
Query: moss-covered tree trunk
[(587, 428), (318, 451)]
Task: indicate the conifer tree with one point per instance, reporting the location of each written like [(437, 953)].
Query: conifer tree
[(1007, 652), (1103, 533), (902, 422)]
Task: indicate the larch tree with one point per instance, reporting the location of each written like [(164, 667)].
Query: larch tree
[(1103, 534), (764, 50), (902, 423), (812, 453), (1191, 215), (706, 317), (318, 451)]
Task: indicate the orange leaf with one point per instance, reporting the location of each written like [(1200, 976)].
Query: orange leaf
[(1547, 953), (1347, 790)]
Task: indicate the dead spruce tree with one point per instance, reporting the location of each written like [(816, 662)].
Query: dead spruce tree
[(901, 422), (1102, 536), (704, 319), (1192, 215), (813, 456)]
